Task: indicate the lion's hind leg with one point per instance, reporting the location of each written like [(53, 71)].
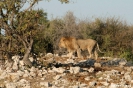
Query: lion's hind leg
[(96, 54), (90, 52)]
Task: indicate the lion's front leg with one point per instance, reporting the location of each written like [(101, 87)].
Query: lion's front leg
[(79, 53), (70, 55)]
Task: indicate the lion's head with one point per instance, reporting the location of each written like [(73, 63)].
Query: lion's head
[(62, 43), (67, 42)]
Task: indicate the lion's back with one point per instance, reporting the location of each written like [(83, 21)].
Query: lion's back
[(85, 43)]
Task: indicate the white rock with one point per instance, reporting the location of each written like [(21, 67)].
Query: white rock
[(92, 84), (3, 75), (21, 62), (33, 74), (91, 70), (24, 83), (33, 69), (15, 66), (43, 78), (100, 78), (16, 58), (70, 61), (122, 72), (122, 63), (74, 70), (59, 70), (82, 85), (75, 86), (114, 72), (129, 69), (57, 77), (105, 83), (44, 72), (45, 84), (113, 85), (87, 78), (14, 77), (11, 85), (97, 64), (26, 73), (128, 77), (39, 73), (132, 81), (20, 73), (50, 55), (31, 59)]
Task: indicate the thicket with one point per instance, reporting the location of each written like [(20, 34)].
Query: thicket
[(113, 35)]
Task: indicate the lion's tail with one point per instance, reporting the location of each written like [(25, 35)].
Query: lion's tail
[(99, 48)]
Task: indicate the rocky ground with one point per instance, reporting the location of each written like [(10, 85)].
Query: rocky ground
[(61, 72)]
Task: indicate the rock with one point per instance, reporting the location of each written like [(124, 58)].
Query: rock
[(20, 73), (122, 63), (11, 85), (105, 83), (92, 84), (128, 77), (91, 70), (57, 77), (70, 61), (24, 83), (114, 72), (39, 73), (14, 77), (74, 70), (33, 69), (33, 74), (113, 85), (82, 85), (26, 74), (87, 78), (97, 64), (45, 84), (3, 75), (16, 58), (122, 72), (31, 59), (15, 66), (75, 86), (50, 55), (21, 65), (129, 69), (59, 70)]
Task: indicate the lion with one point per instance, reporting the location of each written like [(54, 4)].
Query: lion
[(72, 44)]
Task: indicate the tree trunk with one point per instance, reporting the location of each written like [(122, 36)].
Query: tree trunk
[(27, 52)]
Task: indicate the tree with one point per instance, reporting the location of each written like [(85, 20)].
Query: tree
[(20, 26)]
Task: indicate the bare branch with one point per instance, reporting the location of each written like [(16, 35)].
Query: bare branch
[(31, 5)]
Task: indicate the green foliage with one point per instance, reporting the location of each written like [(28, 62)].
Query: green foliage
[(125, 53)]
